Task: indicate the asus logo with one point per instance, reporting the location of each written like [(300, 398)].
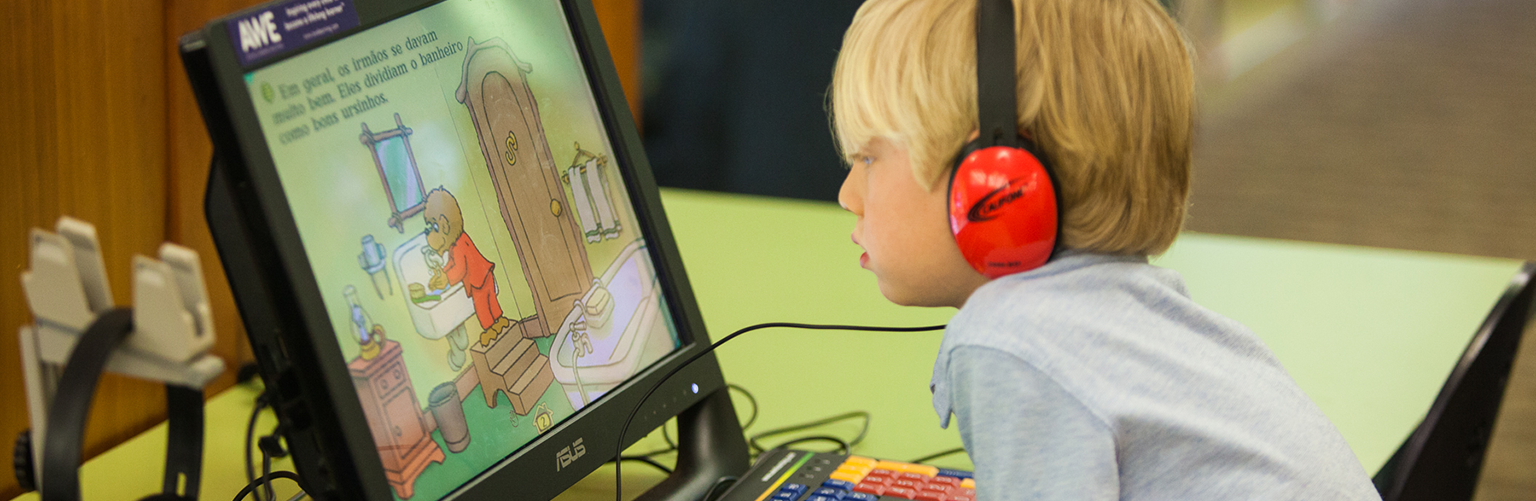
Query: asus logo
[(257, 32), (570, 454), (987, 208)]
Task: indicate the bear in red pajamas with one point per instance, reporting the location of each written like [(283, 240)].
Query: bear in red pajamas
[(463, 263)]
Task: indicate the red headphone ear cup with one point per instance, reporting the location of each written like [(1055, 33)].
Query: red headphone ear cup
[(1002, 210)]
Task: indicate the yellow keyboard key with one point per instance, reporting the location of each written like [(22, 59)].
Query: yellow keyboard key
[(847, 476), (968, 483), (921, 469), (861, 461), (855, 469)]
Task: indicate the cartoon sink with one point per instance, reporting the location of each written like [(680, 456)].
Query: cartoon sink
[(607, 335), (435, 313)]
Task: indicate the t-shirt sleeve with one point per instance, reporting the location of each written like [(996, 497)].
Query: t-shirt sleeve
[(1027, 436)]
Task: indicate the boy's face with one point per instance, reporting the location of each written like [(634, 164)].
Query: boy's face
[(904, 231)]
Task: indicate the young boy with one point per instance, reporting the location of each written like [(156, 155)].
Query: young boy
[(1093, 376)]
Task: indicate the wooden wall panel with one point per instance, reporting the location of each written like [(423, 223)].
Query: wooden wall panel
[(84, 136), (101, 125), (621, 29)]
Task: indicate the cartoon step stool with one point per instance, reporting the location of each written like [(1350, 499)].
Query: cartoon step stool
[(513, 365)]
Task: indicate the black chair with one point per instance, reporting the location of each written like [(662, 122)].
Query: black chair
[(1441, 460)]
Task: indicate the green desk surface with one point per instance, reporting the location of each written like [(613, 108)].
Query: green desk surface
[(1369, 334)]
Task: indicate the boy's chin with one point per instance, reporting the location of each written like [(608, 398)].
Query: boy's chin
[(909, 296)]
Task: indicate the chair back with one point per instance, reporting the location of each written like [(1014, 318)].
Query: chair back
[(1442, 458)]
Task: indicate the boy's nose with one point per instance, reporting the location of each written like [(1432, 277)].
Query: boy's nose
[(849, 196)]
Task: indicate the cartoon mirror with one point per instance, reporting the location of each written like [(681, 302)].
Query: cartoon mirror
[(396, 163)]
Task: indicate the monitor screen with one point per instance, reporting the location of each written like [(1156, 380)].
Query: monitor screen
[(457, 196)]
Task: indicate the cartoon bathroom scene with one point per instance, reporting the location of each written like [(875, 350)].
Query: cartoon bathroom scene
[(435, 313), (612, 330)]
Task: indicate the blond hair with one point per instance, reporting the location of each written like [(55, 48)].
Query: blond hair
[(1105, 88)]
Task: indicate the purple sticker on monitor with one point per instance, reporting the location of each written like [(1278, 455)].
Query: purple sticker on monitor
[(287, 26)]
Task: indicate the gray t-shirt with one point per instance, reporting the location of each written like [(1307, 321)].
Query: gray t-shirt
[(1096, 377)]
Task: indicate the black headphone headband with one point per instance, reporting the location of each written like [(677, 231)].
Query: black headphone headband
[(996, 81)]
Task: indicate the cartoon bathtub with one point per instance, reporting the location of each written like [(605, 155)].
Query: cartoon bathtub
[(613, 331)]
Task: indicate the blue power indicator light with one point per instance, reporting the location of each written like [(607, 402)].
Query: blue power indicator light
[(695, 388)]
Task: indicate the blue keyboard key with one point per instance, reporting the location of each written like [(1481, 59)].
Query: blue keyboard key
[(797, 488), (955, 473), (831, 493), (838, 484), (821, 498), (861, 496), (783, 495)]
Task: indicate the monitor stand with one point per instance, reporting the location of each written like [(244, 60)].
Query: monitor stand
[(710, 442), (710, 446)]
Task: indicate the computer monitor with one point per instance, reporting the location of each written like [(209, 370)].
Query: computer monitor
[(448, 249)]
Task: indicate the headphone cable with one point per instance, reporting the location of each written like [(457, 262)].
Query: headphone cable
[(618, 478)]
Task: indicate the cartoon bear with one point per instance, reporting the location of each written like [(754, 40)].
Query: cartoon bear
[(463, 263)]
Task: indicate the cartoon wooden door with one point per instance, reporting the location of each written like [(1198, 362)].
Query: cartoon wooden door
[(533, 202)]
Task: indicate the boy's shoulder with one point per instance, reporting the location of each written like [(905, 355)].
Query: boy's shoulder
[(1075, 294)]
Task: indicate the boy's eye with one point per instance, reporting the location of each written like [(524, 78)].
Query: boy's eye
[(867, 160)]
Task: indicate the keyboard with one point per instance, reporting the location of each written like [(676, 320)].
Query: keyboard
[(791, 475)]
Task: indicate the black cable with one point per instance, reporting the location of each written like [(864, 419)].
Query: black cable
[(752, 441), (267, 478), (250, 436), (672, 444), (618, 480), (647, 460), (750, 398), (843, 447), (937, 455)]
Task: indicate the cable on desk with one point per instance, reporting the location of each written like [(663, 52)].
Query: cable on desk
[(618, 479), (847, 445), (647, 460), (937, 455), (267, 479), (250, 436)]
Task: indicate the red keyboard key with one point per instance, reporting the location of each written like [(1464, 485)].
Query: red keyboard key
[(870, 488), (879, 479), (902, 482), (947, 482), (911, 476), (932, 496), (901, 492), (961, 493)]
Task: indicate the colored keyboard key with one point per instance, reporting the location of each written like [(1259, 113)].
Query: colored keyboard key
[(945, 480), (879, 479), (846, 476), (907, 483), (901, 492), (830, 492), (860, 496), (969, 483), (932, 496), (841, 484), (820, 498), (954, 473), (861, 461), (870, 488), (793, 487), (783, 495)]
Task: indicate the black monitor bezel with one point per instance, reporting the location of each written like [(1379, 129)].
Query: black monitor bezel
[(300, 333)]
